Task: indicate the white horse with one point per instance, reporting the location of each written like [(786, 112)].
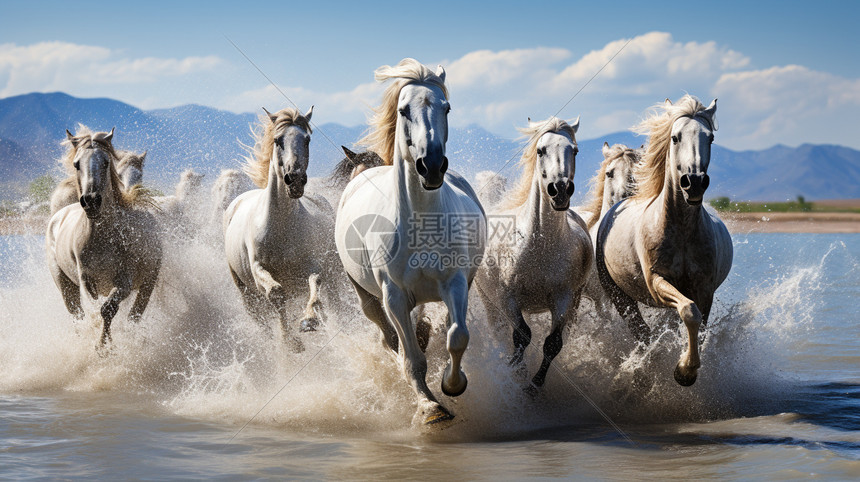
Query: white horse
[(612, 183), (130, 170), (541, 262), (661, 247), (277, 238), (228, 186), (388, 235), (107, 243)]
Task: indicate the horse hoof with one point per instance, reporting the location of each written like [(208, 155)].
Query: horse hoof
[(437, 415), (685, 378), (309, 324), (457, 390)]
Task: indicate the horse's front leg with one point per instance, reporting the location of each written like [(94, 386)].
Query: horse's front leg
[(563, 311), (687, 369), (412, 359), (312, 314), (141, 301), (456, 298), (121, 290)]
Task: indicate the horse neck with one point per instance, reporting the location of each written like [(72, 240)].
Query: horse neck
[(675, 210), (278, 202), (408, 185), (540, 217), (607, 200)]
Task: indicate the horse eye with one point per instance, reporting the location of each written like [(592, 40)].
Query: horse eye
[(78, 165), (711, 138), (575, 151), (448, 109), (674, 139), (609, 174), (404, 111)]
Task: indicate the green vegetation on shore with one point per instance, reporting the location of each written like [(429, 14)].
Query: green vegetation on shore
[(800, 205)]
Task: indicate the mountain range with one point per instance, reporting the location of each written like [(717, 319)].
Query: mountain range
[(208, 140)]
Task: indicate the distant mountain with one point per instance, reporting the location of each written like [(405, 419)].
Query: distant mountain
[(208, 140)]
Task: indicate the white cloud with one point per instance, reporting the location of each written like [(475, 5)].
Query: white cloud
[(788, 104), (49, 66)]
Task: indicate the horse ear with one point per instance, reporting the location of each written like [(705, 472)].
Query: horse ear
[(440, 71), (605, 149), (309, 113), (349, 154), (574, 125), (110, 135), (710, 113), (71, 139), (272, 117), (667, 103)]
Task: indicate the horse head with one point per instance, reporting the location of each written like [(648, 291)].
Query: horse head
[(690, 153), (422, 129), (93, 161), (556, 152), (130, 169), (291, 149), (618, 172)]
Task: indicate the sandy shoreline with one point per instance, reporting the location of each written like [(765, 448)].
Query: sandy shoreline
[(736, 222)]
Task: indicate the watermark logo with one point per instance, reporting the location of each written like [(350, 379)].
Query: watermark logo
[(433, 240), (372, 240)]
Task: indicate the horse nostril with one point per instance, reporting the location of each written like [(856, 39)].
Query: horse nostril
[(444, 165), (570, 188), (706, 181), (421, 167), (685, 182), (551, 190), (288, 179), (83, 201)]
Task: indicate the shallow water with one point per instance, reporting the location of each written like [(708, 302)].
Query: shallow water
[(778, 393)]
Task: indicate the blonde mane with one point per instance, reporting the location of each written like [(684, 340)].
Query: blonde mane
[(383, 123), (650, 173), (518, 195), (598, 182), (136, 196), (258, 158)]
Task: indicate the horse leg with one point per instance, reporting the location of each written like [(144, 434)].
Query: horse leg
[(687, 368), (251, 299), (372, 309), (456, 298), (110, 307), (70, 292), (522, 334), (422, 327), (629, 310), (143, 294), (311, 318), (412, 359), (562, 313)]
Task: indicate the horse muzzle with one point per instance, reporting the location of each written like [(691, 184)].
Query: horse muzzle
[(694, 187), (296, 183), (432, 173), (559, 194), (92, 204)]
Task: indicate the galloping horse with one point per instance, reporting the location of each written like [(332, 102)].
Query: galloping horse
[(277, 238), (542, 266), (661, 247), (107, 242), (130, 171), (380, 229)]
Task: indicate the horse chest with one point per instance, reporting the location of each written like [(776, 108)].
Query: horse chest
[(683, 260)]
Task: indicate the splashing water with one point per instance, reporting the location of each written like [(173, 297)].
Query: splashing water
[(198, 354)]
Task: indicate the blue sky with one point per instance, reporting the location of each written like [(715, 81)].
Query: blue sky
[(785, 72)]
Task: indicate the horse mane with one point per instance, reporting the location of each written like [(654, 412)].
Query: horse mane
[(343, 171), (136, 196), (598, 182), (650, 173), (257, 161), (534, 132), (383, 122)]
